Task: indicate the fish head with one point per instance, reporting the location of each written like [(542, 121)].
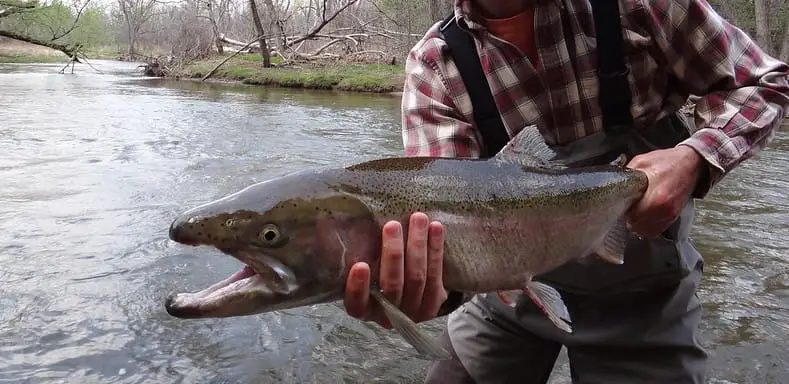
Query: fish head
[(297, 237)]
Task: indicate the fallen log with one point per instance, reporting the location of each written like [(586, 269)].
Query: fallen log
[(230, 41), (154, 68), (69, 51), (246, 48)]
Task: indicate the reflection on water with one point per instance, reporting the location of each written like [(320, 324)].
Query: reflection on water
[(97, 165)]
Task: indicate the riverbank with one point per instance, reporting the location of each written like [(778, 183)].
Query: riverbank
[(248, 69), (27, 59)]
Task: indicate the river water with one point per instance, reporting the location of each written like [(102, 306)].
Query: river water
[(94, 167)]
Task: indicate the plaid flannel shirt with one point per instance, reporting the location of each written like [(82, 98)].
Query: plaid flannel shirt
[(673, 48)]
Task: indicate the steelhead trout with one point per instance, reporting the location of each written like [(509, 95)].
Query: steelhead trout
[(516, 215)]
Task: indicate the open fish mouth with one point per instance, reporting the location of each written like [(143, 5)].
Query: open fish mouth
[(262, 282)]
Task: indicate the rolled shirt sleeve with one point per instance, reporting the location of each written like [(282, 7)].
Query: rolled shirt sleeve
[(744, 92)]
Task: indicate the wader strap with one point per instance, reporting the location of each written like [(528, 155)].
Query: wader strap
[(614, 88), (486, 114)]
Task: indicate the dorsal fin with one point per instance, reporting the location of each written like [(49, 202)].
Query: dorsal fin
[(620, 161), (528, 148)]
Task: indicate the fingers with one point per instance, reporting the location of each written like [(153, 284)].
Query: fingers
[(651, 215), (641, 220), (415, 264), (654, 212), (357, 296), (410, 273), (357, 291), (673, 174), (434, 294), (392, 262), (650, 229)]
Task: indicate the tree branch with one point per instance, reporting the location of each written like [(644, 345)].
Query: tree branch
[(73, 25), (12, 8), (329, 44), (323, 23), (211, 72)]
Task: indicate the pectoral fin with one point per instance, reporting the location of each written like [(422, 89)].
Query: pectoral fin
[(612, 249), (544, 297), (423, 343), (550, 302)]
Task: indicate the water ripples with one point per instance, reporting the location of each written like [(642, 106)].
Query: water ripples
[(93, 178)]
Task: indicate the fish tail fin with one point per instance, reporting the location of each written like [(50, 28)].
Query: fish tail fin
[(423, 343), (612, 248), (550, 302)]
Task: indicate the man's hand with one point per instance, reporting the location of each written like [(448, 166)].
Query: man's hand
[(410, 274), (672, 174)]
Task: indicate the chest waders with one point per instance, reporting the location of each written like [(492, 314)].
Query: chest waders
[(633, 323)]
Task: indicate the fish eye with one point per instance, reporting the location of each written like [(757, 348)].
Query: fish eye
[(270, 234)]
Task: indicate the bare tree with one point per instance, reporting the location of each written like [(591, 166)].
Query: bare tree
[(135, 13), (262, 35), (440, 9), (217, 12), (761, 15), (278, 24), (784, 52)]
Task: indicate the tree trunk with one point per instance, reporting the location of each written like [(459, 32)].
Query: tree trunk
[(439, 9), (784, 53), (261, 35), (282, 39), (132, 41), (761, 15), (219, 47)]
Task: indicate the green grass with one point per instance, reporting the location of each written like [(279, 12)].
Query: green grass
[(104, 53), (254, 57), (248, 69), (32, 59)]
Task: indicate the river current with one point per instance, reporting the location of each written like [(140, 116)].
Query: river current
[(94, 167)]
